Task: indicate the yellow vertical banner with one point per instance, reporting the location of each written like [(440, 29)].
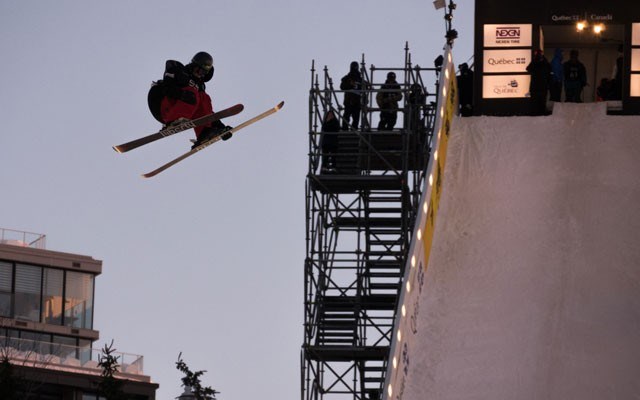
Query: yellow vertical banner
[(406, 323)]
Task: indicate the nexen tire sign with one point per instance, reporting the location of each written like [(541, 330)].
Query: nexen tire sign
[(507, 35)]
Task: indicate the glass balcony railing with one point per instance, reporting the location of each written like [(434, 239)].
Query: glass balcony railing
[(22, 239), (60, 356)]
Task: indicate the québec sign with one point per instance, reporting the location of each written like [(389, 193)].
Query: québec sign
[(497, 61)]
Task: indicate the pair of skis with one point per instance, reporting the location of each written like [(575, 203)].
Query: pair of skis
[(173, 129)]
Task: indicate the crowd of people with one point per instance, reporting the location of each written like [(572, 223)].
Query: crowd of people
[(551, 77), (387, 97)]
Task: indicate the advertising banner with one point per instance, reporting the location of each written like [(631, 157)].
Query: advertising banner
[(634, 88), (507, 35), (406, 323), (505, 86), (506, 60), (635, 60), (635, 34)]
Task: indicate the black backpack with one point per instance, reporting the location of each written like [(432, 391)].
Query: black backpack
[(157, 91)]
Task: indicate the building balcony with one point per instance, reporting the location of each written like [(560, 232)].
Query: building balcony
[(75, 359)]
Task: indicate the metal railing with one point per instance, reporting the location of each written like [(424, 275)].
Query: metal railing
[(22, 238), (60, 356)]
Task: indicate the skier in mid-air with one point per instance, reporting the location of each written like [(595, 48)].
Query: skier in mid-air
[(181, 95)]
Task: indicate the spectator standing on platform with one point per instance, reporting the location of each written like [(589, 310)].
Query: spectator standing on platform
[(387, 100), (575, 78), (352, 85), (465, 90), (616, 77), (604, 92), (329, 142), (557, 76), (417, 102), (540, 71)]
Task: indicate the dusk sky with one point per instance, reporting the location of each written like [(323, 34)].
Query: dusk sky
[(207, 257)]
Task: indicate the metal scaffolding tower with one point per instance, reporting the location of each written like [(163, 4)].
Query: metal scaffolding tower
[(362, 192)]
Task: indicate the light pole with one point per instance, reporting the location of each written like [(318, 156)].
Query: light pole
[(187, 395)]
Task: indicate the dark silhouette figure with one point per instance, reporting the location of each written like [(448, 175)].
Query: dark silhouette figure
[(352, 84), (417, 101), (387, 100), (465, 90), (605, 91), (617, 76), (557, 76), (329, 142), (575, 78), (540, 71)]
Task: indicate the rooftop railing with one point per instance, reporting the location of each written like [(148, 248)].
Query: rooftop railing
[(22, 238), (64, 357)]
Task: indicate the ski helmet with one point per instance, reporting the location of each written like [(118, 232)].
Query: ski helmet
[(203, 60)]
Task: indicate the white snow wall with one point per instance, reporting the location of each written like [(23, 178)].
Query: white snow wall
[(532, 286)]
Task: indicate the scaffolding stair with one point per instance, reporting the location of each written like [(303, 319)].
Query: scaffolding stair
[(337, 322)]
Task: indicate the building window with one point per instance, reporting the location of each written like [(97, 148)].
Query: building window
[(6, 281), (49, 295), (78, 307), (27, 294), (53, 280)]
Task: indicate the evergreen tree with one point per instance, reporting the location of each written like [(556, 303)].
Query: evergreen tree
[(109, 386), (192, 380)]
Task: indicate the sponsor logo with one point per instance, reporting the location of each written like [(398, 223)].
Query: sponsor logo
[(577, 17), (511, 32), (595, 17), (565, 18), (508, 34), (507, 61), (509, 88)]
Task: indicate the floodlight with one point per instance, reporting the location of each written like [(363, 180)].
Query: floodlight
[(581, 25), (597, 29)]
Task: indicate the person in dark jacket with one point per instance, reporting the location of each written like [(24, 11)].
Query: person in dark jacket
[(329, 142), (465, 90), (417, 100), (352, 85), (540, 71), (181, 95), (557, 76), (387, 99), (575, 78), (616, 78)]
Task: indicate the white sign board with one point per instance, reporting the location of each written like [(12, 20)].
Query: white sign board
[(507, 35), (635, 59), (505, 86), (506, 60), (635, 85), (635, 34)]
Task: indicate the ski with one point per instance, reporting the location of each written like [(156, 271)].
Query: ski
[(183, 126), (213, 140)]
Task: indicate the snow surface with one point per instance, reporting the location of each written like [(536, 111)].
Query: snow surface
[(533, 286)]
